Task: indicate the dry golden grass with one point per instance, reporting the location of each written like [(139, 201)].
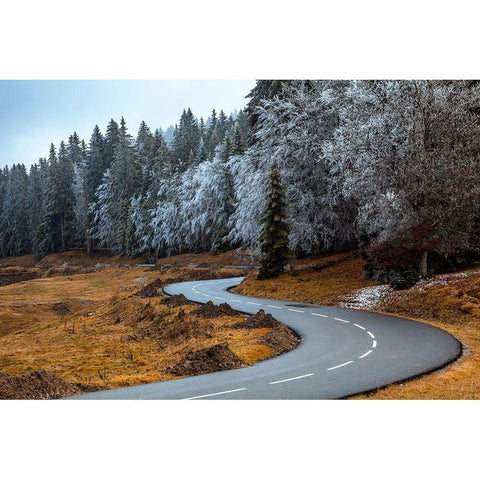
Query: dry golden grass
[(305, 284), (89, 329), (232, 257)]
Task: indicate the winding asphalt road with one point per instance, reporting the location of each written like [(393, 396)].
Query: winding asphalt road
[(343, 352)]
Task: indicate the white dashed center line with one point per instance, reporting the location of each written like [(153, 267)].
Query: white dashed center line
[(236, 301), (341, 365), (290, 379), (371, 334), (273, 306), (359, 326), (295, 310), (341, 320), (374, 344), (213, 394), (253, 303), (365, 354), (320, 315), (219, 298)]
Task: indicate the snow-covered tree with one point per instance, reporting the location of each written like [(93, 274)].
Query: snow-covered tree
[(293, 128), (407, 153), (14, 235), (120, 183)]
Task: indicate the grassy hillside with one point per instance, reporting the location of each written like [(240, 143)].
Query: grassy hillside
[(81, 319), (109, 326)]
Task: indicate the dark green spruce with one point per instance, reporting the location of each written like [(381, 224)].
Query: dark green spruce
[(274, 236)]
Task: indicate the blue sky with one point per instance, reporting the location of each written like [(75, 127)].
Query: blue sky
[(34, 113)]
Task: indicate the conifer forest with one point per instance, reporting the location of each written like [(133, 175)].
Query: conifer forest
[(390, 168)]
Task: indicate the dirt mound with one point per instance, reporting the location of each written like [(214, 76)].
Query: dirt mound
[(153, 289), (37, 385), (259, 320), (281, 339), (11, 275), (181, 327), (177, 301), (209, 310), (211, 359)]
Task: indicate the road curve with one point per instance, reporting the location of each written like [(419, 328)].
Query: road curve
[(343, 352)]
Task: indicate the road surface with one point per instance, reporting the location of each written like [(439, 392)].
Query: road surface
[(343, 352)]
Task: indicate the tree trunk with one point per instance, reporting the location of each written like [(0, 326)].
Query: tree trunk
[(62, 230), (424, 265)]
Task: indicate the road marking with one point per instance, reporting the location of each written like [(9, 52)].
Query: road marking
[(273, 306), (340, 320), (295, 310), (341, 365), (204, 294), (359, 326), (219, 298), (213, 394), (371, 334), (253, 303), (290, 379), (237, 301), (374, 344), (365, 354), (319, 315)]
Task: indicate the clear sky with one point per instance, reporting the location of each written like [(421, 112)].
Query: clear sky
[(35, 113)]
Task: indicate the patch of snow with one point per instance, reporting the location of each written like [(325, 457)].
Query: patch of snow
[(443, 280), (366, 298)]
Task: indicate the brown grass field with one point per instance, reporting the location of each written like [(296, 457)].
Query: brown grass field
[(89, 328)]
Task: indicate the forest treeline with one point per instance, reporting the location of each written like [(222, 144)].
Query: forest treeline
[(391, 167)]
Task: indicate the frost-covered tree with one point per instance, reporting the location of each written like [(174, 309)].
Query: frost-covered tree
[(14, 235), (293, 128), (35, 200), (407, 152), (119, 185), (186, 140), (82, 196), (56, 228)]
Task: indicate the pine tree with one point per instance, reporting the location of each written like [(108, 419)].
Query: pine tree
[(97, 162), (14, 238), (274, 235)]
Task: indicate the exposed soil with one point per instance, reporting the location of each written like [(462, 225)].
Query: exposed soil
[(38, 385), (11, 275), (210, 359), (177, 301), (153, 289), (209, 310), (280, 339), (259, 320)]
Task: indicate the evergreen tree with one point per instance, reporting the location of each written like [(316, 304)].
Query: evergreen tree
[(96, 163), (110, 144), (35, 200), (274, 235), (238, 145), (120, 184), (186, 140), (82, 215), (14, 238)]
